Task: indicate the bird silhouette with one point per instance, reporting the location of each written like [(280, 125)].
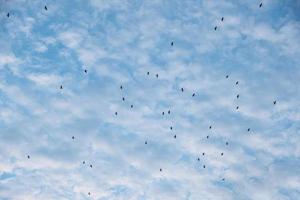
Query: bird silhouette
[(260, 5), (237, 96), (121, 87), (89, 193), (146, 142), (83, 162), (237, 107), (148, 73), (73, 137), (227, 76), (172, 43), (61, 87), (207, 136), (163, 113), (223, 179), (123, 98), (28, 156), (116, 113), (203, 154), (274, 102), (193, 95), (175, 136), (248, 129), (46, 8), (160, 169), (198, 159), (216, 28), (131, 106), (156, 75), (85, 71), (91, 166), (226, 143), (203, 166), (169, 111), (171, 127), (209, 127), (222, 19), (182, 89), (222, 154), (7, 15), (237, 83)]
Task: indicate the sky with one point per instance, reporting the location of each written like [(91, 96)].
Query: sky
[(118, 42)]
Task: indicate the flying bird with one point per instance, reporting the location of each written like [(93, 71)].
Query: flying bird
[(175, 136), (203, 166), (222, 19), (83, 162), (160, 169), (148, 73), (236, 82), (91, 166), (226, 143), (61, 87), (223, 179), (222, 154), (193, 95), (216, 28), (85, 71), (237, 107), (73, 137), (89, 193), (7, 15), (121, 87), (227, 76), (123, 99), (198, 159), (131, 106), (171, 127), (209, 127), (169, 111), (248, 129), (116, 113), (260, 5), (207, 137), (28, 156), (203, 154), (237, 96), (172, 43), (274, 102), (46, 8), (146, 142), (156, 75), (163, 113), (182, 89)]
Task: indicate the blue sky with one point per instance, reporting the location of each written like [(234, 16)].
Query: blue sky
[(118, 42)]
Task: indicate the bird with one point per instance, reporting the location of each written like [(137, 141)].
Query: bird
[(85, 71), (123, 99), (248, 129), (198, 159), (226, 143), (172, 43), (156, 75), (274, 102), (148, 73), (209, 127), (175, 136), (237, 107), (222, 154), (171, 127), (193, 95), (227, 76), (28, 156), (83, 162), (46, 8), (203, 166), (91, 166), (260, 5), (146, 142), (61, 87), (116, 113), (131, 106), (236, 82), (237, 96), (182, 89), (207, 137), (89, 193), (160, 169), (7, 14), (222, 19), (216, 28), (203, 154), (73, 137), (169, 111), (223, 179), (163, 113), (121, 87)]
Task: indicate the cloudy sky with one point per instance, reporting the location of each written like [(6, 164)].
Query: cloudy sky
[(118, 42)]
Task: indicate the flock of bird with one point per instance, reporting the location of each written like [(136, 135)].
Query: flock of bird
[(163, 113)]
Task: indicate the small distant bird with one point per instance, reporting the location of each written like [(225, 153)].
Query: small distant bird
[(227, 143), (172, 43), (61, 87), (91, 166), (160, 169), (163, 113), (248, 129), (116, 113), (7, 15), (171, 127), (227, 76), (203, 154), (121, 87), (131, 106), (46, 8), (236, 82), (223, 179), (260, 5), (237, 107), (198, 159), (73, 137), (156, 75), (203, 166), (209, 127), (123, 99), (85, 71), (169, 111), (274, 102), (237, 96), (216, 28), (182, 89), (146, 142), (148, 73), (207, 136), (193, 94), (222, 19), (83, 162), (89, 193), (175, 136), (28, 156), (222, 154)]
